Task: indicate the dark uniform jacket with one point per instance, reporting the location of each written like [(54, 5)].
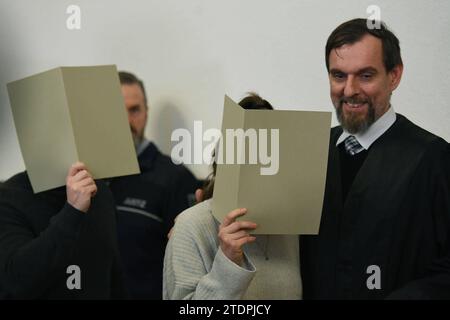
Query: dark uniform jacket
[(147, 205)]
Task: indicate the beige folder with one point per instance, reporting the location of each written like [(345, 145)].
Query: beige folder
[(71, 114), (290, 201)]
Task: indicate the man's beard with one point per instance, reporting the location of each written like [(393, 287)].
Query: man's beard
[(353, 122)]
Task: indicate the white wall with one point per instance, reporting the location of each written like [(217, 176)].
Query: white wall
[(191, 52)]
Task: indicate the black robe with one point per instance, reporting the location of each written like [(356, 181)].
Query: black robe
[(396, 216)]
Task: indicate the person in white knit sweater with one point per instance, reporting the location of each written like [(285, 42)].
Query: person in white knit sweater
[(209, 259)]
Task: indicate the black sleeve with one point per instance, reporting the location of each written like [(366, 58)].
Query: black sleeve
[(435, 201), (118, 288), (28, 262), (182, 195), (187, 184)]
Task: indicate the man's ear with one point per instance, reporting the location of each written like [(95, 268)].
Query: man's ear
[(396, 76)]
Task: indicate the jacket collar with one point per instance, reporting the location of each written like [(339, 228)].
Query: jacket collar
[(147, 156)]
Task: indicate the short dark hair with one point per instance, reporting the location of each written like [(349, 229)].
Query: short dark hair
[(352, 31), (254, 102), (130, 79)]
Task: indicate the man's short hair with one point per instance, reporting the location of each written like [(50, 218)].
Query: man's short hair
[(130, 79), (354, 30)]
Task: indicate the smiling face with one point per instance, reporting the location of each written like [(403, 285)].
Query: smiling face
[(137, 110), (360, 86)]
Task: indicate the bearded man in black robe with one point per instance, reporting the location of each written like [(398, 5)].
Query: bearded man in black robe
[(385, 228)]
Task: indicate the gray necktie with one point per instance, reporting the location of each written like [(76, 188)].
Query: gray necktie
[(352, 145)]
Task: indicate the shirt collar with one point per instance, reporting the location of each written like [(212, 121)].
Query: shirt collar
[(367, 138), (142, 146)]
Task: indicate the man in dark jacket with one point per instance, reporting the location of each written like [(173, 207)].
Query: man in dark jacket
[(148, 203), (385, 228), (61, 243)]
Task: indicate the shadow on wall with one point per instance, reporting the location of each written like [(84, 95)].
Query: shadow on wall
[(168, 119), (11, 60)]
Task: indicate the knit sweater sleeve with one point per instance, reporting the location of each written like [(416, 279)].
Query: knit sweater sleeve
[(195, 268)]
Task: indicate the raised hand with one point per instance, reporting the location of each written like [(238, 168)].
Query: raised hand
[(234, 234), (80, 187)]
